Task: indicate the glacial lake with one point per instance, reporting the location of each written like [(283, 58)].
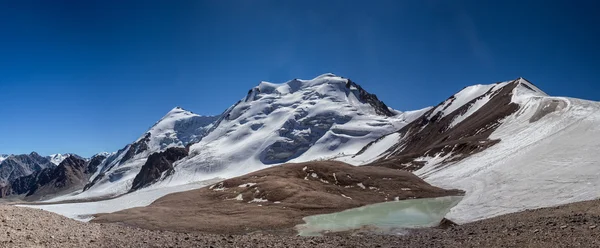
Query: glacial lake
[(386, 217)]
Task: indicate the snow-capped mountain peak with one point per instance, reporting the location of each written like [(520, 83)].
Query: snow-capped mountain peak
[(58, 158), (178, 128), (299, 120), (525, 90), (3, 157), (324, 86)]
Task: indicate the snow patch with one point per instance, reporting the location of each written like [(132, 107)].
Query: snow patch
[(239, 197), (258, 200), (246, 185)]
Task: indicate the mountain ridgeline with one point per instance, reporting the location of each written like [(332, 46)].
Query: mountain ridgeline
[(70, 175), (15, 166), (455, 129)]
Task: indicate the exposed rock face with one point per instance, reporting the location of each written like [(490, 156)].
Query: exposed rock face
[(94, 163), (21, 185), (15, 166), (136, 148), (157, 164), (438, 133), (277, 198), (364, 96)]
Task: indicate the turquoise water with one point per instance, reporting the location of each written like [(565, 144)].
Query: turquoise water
[(385, 217)]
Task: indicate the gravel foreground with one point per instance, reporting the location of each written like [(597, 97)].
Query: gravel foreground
[(573, 225)]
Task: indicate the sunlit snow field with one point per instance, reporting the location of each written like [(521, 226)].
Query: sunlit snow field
[(84, 211)]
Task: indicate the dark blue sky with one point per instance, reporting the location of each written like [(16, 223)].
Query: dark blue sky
[(91, 76)]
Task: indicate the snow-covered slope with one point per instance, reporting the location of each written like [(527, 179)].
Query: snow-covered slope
[(300, 120), (178, 128), (461, 124), (509, 152), (547, 156)]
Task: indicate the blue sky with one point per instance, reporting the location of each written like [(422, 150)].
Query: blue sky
[(92, 76)]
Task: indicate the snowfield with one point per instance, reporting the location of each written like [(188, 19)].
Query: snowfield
[(84, 211)]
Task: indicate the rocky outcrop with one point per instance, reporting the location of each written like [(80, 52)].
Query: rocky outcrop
[(94, 163), (136, 148), (371, 99), (438, 134), (158, 164)]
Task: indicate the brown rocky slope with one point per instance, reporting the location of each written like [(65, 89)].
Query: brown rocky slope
[(433, 134), (276, 198)]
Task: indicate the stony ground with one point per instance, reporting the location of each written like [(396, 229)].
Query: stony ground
[(574, 225), (276, 198)]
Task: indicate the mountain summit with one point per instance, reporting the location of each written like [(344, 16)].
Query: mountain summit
[(178, 128), (300, 120)]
